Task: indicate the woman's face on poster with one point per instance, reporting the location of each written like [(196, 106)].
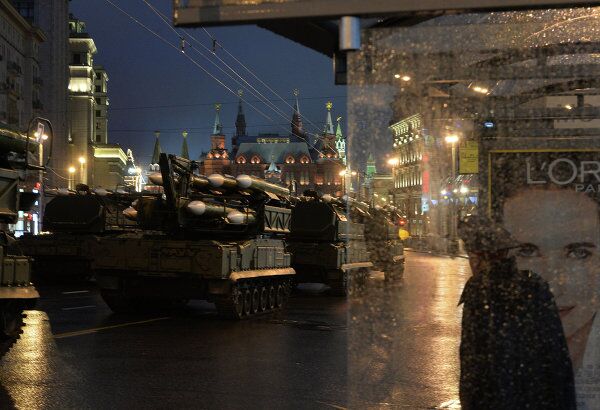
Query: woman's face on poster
[(559, 235)]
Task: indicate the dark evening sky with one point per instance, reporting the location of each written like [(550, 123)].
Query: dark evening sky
[(145, 75)]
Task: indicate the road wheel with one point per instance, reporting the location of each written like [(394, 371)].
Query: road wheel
[(255, 300), (341, 286), (279, 295), (231, 306), (264, 299), (247, 302), (272, 297), (11, 323)]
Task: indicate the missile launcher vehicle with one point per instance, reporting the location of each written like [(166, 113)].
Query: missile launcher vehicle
[(326, 245), (385, 247), (72, 222), (16, 291), (215, 238)]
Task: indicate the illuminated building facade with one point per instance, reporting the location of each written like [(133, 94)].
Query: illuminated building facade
[(92, 160), (289, 160), (411, 184)]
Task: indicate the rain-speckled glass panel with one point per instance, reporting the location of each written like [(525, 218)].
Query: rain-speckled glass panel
[(479, 135)]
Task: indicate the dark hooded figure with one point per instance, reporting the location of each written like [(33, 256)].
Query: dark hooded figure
[(513, 352)]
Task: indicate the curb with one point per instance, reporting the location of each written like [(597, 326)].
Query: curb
[(462, 255)]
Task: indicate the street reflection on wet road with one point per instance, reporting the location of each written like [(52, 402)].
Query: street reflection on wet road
[(403, 339), (389, 346)]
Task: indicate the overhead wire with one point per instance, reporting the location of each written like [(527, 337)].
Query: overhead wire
[(215, 41), (273, 107), (207, 72), (185, 55), (248, 86)]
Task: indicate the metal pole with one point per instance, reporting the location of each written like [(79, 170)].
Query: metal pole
[(453, 244), (41, 188)]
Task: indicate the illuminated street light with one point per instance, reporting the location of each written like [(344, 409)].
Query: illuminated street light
[(405, 78), (397, 75), (393, 162), (71, 176), (452, 139), (464, 189), (81, 170), (444, 192)]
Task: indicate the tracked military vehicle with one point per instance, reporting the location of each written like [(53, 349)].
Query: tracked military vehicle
[(16, 291), (215, 238), (326, 245), (385, 248), (72, 223)]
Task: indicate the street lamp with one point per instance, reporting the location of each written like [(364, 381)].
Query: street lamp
[(82, 162), (40, 135), (71, 176)]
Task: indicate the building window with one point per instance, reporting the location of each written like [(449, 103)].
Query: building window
[(76, 59), (98, 137), (98, 100), (289, 160), (304, 160), (98, 88), (98, 113), (241, 160), (255, 160)]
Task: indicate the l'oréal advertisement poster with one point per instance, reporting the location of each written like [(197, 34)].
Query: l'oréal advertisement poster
[(549, 200)]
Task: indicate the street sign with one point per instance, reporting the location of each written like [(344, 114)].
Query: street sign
[(224, 12), (468, 158)]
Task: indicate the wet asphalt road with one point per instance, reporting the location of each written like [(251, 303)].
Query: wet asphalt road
[(386, 347)]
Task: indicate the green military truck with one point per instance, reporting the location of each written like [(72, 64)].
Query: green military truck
[(384, 245), (327, 246), (216, 238), (72, 223), (16, 291)]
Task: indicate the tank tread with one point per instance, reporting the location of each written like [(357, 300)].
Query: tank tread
[(11, 325), (349, 282), (393, 271), (253, 297)]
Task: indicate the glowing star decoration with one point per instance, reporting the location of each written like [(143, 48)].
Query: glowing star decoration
[(329, 105)]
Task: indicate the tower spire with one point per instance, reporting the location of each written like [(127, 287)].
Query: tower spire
[(340, 141), (184, 147), (240, 122), (217, 128), (296, 118), (328, 122), (157, 151)]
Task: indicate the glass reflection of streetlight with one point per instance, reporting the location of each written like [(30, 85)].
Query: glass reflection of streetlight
[(453, 139), (71, 176), (82, 162)]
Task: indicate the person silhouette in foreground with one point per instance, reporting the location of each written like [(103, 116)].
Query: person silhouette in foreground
[(513, 352)]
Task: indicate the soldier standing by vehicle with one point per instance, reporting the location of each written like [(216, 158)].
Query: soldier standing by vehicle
[(513, 352)]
